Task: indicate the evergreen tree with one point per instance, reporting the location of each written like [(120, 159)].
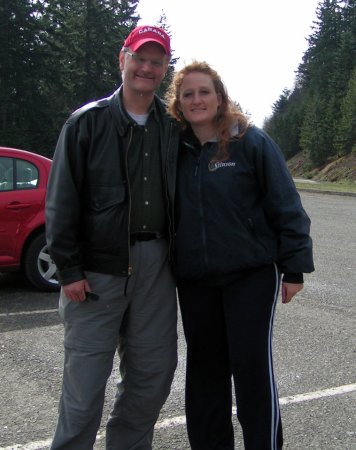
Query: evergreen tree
[(345, 138), (56, 55), (284, 125), (314, 130), (321, 111), (162, 23), (83, 39), (320, 105), (19, 46)]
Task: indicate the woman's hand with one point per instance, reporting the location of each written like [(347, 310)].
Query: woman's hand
[(289, 290)]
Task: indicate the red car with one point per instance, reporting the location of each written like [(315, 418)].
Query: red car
[(23, 181)]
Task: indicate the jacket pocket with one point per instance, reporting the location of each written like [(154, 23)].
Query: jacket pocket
[(103, 197), (106, 218), (263, 235)]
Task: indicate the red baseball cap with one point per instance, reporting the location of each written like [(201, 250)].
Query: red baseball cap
[(147, 33)]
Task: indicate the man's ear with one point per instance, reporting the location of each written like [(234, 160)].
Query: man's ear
[(121, 60)]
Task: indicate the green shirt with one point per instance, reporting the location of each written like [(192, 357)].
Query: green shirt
[(148, 212)]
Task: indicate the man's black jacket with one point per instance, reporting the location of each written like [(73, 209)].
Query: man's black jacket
[(88, 197)]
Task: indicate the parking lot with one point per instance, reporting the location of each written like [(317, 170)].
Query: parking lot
[(314, 350)]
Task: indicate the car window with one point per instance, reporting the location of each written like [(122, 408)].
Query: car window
[(6, 174), (17, 174), (26, 174)]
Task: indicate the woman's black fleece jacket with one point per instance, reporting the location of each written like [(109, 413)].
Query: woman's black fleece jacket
[(238, 214)]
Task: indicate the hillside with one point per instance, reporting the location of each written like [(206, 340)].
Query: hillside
[(335, 170)]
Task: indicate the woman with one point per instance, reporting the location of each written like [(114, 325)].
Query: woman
[(240, 227)]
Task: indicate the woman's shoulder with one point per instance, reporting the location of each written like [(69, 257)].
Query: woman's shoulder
[(253, 136), (256, 137), (255, 133)]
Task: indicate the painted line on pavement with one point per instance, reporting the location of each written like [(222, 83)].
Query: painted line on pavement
[(180, 420), (27, 313), (318, 394)]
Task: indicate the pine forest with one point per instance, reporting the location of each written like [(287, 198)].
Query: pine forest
[(56, 55)]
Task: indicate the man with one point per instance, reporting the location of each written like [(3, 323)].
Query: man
[(108, 220)]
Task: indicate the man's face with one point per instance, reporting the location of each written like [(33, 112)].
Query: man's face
[(144, 70)]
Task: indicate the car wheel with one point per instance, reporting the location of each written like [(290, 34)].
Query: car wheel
[(39, 267)]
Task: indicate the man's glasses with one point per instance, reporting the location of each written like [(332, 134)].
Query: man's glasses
[(156, 63)]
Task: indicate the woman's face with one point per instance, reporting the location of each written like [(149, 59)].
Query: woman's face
[(198, 100)]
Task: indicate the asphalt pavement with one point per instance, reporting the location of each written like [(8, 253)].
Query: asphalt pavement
[(314, 352)]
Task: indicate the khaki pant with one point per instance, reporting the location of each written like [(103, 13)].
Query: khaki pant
[(141, 326)]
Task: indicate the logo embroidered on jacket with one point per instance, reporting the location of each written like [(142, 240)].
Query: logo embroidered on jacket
[(215, 165)]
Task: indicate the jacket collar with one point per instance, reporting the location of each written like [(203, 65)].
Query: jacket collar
[(189, 140), (122, 119)]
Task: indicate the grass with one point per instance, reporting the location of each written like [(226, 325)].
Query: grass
[(341, 187)]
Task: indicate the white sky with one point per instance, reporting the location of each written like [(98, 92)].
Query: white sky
[(256, 46)]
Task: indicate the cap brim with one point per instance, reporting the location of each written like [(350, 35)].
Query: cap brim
[(139, 44)]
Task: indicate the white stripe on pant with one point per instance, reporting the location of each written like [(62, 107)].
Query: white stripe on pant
[(228, 331)]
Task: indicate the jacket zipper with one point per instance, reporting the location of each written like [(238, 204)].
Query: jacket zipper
[(201, 208), (170, 221), (129, 268), (197, 164)]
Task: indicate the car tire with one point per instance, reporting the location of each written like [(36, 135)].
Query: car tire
[(39, 267)]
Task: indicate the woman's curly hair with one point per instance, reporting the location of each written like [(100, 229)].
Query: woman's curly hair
[(228, 117)]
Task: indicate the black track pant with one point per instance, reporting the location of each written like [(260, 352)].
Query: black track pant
[(228, 331)]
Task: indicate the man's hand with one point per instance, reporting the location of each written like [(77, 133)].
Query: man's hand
[(289, 290), (76, 292)]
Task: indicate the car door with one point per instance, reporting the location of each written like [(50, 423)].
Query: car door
[(20, 202)]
